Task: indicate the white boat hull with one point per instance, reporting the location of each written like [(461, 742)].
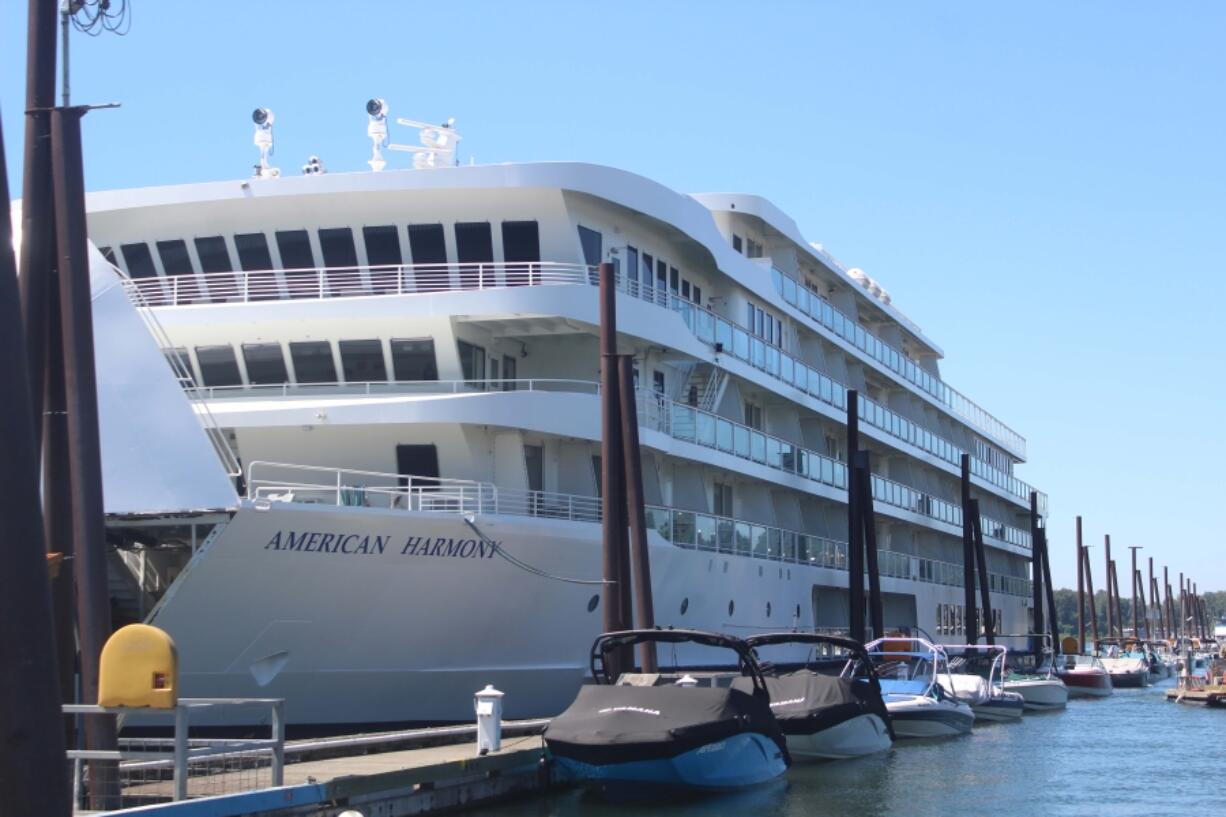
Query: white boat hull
[(923, 717), (1039, 695), (855, 737), (1007, 707)]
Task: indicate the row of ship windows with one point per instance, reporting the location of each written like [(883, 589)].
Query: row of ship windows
[(951, 620), (427, 245)]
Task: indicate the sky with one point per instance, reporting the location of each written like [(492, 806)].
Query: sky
[(1038, 185)]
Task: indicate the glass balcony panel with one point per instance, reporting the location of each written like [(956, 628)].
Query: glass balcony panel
[(683, 421), (803, 553), (789, 545), (723, 434), (761, 541), (704, 326), (740, 343), (757, 446), (740, 441), (723, 334), (704, 527), (787, 368), (657, 519), (757, 352), (705, 428), (802, 299), (744, 538), (772, 361), (773, 453), (827, 475), (724, 535), (789, 290), (774, 543), (683, 528)]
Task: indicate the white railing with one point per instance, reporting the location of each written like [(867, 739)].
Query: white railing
[(317, 283), (269, 482), (380, 387)]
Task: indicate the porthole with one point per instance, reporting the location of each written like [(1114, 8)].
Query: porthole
[(731, 607), (593, 603), (768, 609), (685, 604)]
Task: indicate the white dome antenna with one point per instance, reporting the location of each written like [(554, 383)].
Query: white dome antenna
[(376, 129), (263, 119)]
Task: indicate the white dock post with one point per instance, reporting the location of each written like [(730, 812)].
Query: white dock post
[(180, 772), (488, 704)]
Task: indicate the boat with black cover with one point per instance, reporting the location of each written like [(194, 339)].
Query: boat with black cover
[(834, 714), (634, 735)]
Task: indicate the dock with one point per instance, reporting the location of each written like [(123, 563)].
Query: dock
[(425, 779)]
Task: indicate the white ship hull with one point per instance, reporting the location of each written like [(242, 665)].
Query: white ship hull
[(369, 616)]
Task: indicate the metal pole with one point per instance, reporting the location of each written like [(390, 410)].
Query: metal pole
[(1036, 572), (868, 524), (971, 617), (981, 558), (1081, 596), (180, 752), (278, 749), (640, 557), (1107, 582), (33, 780), (1136, 621), (88, 524), (1085, 560), (855, 542), (611, 481)]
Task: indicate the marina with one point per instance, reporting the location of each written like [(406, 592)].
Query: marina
[(413, 483)]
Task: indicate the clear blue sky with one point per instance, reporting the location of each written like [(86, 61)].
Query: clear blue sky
[(1039, 185)]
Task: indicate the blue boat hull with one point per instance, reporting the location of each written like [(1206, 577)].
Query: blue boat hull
[(733, 763)]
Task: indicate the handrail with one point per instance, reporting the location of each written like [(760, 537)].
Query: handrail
[(729, 336), (320, 283), (369, 387), (829, 317), (683, 528)]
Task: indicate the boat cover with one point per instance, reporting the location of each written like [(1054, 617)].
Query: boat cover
[(806, 702), (616, 724)]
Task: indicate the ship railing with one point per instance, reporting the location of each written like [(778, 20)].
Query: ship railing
[(319, 283), (730, 338), (271, 482), (821, 312), (389, 387), (678, 420), (692, 424)]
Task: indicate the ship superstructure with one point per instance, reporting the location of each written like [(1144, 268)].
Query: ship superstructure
[(404, 365)]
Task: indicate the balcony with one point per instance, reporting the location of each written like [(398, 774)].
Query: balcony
[(824, 315), (269, 482)]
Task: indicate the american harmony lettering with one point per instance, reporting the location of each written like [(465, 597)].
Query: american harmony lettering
[(356, 544)]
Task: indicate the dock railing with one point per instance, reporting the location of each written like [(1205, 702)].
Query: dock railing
[(149, 770)]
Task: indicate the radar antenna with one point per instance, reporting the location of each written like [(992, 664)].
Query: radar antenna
[(438, 143)]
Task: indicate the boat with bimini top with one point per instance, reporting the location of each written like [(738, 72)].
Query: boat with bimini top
[(915, 684), (634, 734), (830, 706)]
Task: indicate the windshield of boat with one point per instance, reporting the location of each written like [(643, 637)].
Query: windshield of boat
[(823, 658)]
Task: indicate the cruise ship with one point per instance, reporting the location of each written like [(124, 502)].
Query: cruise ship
[(350, 429)]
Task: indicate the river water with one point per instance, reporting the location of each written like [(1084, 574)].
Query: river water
[(1132, 753)]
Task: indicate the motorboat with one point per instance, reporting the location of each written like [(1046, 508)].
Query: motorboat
[(835, 714), (634, 735), (1085, 676), (1041, 689), (920, 706), (1202, 680), (1127, 669), (976, 677)]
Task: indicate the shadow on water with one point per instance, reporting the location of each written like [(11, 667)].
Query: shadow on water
[(1131, 754)]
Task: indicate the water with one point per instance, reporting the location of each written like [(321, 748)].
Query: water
[(1132, 753)]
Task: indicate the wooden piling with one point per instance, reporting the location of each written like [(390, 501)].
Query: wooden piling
[(1081, 595), (971, 617), (868, 524), (1036, 574), (1107, 583), (34, 779), (981, 560), (1085, 560), (616, 615), (640, 559), (855, 527)]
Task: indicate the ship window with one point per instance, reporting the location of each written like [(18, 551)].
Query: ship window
[(647, 278), (598, 470), (109, 255), (632, 264), (509, 368), (414, 359), (736, 242), (180, 362), (336, 244), (383, 255), (175, 260), (419, 462), (474, 245), (591, 242), (214, 257), (295, 248), (661, 275), (674, 279), (429, 247), (472, 361), (265, 363), (313, 361), (521, 244), (685, 289), (362, 361), (252, 251), (139, 261), (697, 294), (218, 366), (722, 506)]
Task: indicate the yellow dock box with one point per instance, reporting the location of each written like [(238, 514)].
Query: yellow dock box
[(1068, 645), (139, 668)]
